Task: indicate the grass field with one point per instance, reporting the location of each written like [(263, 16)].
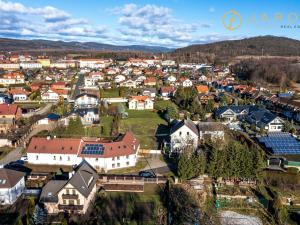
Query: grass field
[(143, 124), (4, 151), (110, 93)]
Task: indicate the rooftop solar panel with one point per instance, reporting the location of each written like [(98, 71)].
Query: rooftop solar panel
[(93, 149)]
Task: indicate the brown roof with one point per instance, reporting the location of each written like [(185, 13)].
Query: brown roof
[(9, 178), (167, 89), (139, 98), (202, 88)]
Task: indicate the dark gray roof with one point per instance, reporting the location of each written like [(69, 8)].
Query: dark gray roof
[(87, 94), (84, 178), (50, 190), (187, 123), (260, 117), (83, 111)]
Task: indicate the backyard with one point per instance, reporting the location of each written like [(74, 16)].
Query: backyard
[(128, 208), (144, 125)]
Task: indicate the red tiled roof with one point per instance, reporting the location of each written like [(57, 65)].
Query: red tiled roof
[(167, 89), (125, 145), (54, 146), (8, 109), (18, 92), (202, 88), (139, 98)]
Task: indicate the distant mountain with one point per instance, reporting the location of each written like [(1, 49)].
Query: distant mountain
[(7, 44), (262, 45)]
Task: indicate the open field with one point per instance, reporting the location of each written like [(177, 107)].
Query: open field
[(143, 124)]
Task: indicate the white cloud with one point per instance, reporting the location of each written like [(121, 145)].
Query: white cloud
[(44, 22)]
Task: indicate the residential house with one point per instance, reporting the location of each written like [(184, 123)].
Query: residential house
[(119, 78), (170, 79), (264, 119), (88, 116), (19, 94), (36, 86), (211, 130), (183, 134), (151, 92), (59, 85), (73, 195), (185, 82), (9, 113), (128, 83), (150, 81), (85, 100), (94, 63), (12, 78), (101, 154), (232, 113), (53, 95), (167, 91), (5, 99), (12, 185), (140, 103), (202, 89)]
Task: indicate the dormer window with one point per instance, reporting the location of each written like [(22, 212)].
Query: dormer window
[(180, 133)]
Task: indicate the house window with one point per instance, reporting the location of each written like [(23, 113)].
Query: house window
[(68, 158), (64, 202), (113, 158), (54, 157), (60, 158), (180, 133), (127, 163), (113, 165), (74, 192), (67, 191), (37, 157), (71, 202), (188, 133), (118, 164), (127, 157), (78, 201), (118, 158), (96, 159)]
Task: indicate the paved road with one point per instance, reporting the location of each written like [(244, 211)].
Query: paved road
[(16, 154), (44, 110), (79, 83)]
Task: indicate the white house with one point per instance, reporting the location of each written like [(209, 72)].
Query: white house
[(185, 82), (119, 78), (140, 103), (120, 153), (85, 100), (50, 96), (94, 63), (183, 134), (168, 63), (170, 79), (88, 116), (128, 83), (12, 185)]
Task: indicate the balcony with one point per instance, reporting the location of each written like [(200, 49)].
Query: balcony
[(70, 207), (70, 196)]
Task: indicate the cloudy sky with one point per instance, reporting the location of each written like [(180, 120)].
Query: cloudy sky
[(169, 23)]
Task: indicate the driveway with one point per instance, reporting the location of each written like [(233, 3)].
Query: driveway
[(42, 111), (14, 155)]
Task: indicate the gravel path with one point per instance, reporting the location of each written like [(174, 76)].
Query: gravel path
[(233, 218)]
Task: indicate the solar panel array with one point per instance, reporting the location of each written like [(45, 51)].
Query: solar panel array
[(281, 143), (93, 149)]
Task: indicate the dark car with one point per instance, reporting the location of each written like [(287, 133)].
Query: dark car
[(146, 174)]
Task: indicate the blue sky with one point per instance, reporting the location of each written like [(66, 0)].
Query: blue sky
[(169, 23)]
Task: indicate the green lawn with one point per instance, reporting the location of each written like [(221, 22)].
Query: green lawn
[(4, 151), (143, 124), (109, 93)]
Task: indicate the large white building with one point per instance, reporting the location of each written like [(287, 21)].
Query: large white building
[(12, 185), (31, 65), (106, 155), (94, 63), (85, 100)]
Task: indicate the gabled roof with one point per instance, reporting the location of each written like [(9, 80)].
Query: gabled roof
[(139, 98), (8, 109), (188, 123), (9, 178), (84, 178), (202, 88)]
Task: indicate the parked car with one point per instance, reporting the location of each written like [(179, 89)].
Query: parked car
[(146, 174)]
